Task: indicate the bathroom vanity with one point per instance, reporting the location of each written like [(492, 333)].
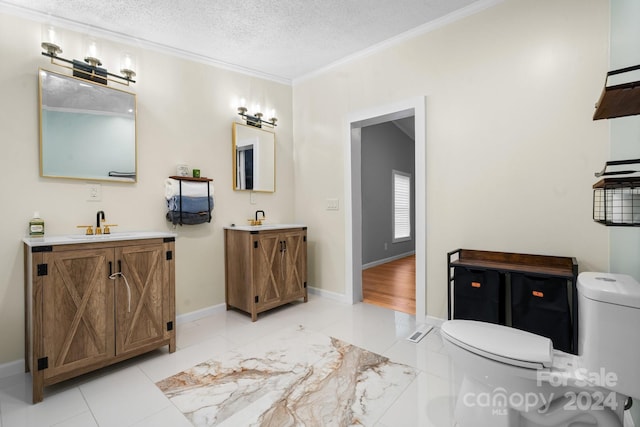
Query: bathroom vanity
[(265, 266), (91, 301)]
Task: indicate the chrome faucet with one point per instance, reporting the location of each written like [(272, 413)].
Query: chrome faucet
[(99, 215)]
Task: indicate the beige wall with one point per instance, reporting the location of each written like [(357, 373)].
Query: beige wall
[(511, 147), (184, 115)]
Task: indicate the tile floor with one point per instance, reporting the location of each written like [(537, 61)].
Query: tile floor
[(126, 394)]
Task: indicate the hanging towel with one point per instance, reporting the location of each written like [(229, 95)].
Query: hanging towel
[(188, 218), (189, 188), (190, 204)]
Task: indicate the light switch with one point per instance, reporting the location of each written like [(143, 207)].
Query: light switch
[(333, 205), (252, 197)]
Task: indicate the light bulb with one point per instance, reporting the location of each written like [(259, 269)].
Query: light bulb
[(51, 40), (92, 49), (127, 65)]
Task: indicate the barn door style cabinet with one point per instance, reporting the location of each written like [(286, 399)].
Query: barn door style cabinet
[(95, 303), (265, 267)]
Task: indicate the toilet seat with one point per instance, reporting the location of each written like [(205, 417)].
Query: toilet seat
[(500, 343)]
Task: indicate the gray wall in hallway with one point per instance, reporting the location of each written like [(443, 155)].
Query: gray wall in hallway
[(384, 148)]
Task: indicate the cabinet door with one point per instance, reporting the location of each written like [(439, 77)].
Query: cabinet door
[(294, 264), (267, 272), (77, 309), (140, 298)]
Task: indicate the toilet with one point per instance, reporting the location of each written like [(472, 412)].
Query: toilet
[(513, 378)]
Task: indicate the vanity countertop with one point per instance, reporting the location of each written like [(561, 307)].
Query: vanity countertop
[(263, 227), (70, 239)]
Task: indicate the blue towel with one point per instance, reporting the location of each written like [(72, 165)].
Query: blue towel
[(190, 204)]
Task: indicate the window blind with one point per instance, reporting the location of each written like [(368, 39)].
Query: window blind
[(401, 206)]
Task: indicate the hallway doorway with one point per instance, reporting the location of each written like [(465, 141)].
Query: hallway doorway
[(353, 243), (387, 185)]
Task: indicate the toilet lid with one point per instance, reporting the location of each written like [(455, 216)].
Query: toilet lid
[(500, 343)]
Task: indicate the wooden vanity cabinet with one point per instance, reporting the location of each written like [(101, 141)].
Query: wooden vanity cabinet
[(78, 319), (265, 269)]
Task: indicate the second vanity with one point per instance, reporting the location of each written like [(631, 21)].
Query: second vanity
[(91, 301), (265, 266)]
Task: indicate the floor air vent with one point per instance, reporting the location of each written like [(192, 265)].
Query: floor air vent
[(419, 334)]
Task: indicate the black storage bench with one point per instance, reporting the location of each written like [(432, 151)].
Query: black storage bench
[(535, 293)]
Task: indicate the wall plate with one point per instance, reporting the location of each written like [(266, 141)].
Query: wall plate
[(94, 192)]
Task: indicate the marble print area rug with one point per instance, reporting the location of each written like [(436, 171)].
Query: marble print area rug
[(292, 378)]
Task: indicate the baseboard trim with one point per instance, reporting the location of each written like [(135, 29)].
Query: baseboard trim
[(435, 321), (386, 260), (334, 296), (11, 368), (199, 314)]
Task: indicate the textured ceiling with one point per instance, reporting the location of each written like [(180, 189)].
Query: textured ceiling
[(285, 39)]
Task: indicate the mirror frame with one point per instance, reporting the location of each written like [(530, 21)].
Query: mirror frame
[(234, 160), (42, 136)]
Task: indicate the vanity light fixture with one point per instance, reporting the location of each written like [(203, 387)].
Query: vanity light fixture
[(90, 68), (256, 119)]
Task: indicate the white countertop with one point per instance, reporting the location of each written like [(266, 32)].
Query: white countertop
[(263, 227), (69, 239)]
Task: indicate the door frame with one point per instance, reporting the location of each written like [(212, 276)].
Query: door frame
[(353, 193)]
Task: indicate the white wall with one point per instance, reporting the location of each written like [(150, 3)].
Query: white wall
[(625, 139), (185, 113), (511, 146), (625, 131)]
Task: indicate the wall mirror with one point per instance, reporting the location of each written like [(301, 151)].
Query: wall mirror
[(254, 158), (87, 130)]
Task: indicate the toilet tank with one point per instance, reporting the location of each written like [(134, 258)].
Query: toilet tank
[(608, 338)]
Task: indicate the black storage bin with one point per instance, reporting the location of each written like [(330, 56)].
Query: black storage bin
[(540, 305), (478, 295)]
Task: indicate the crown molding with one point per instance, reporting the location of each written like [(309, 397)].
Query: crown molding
[(452, 17), (71, 25)]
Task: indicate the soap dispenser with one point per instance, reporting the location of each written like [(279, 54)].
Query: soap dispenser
[(36, 225)]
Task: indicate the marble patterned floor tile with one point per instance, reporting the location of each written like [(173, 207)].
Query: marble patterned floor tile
[(164, 364), (123, 397), (84, 419), (168, 417), (428, 401), (292, 377), (371, 327), (60, 403)]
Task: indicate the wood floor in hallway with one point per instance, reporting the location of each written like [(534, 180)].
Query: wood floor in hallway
[(391, 285)]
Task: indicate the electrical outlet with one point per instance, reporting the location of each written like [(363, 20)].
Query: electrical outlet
[(252, 197), (94, 192)]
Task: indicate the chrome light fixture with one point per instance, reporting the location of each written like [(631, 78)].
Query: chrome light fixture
[(256, 119), (90, 68)]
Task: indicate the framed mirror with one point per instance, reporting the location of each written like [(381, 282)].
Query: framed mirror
[(87, 130), (254, 159)]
